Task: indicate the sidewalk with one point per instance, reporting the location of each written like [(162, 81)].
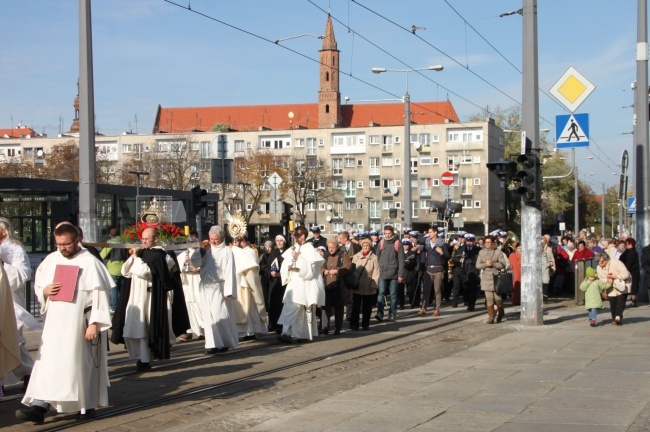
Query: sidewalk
[(563, 376)]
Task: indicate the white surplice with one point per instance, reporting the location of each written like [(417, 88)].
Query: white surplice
[(191, 281), (138, 308), (218, 281), (70, 372), (305, 291), (9, 348), (18, 271), (249, 310)]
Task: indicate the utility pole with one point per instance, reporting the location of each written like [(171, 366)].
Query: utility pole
[(87, 178), (641, 147), (531, 216)]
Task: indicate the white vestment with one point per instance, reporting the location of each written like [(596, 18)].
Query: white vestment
[(138, 309), (249, 310), (218, 281), (305, 291), (70, 372), (9, 348), (191, 280), (19, 272)]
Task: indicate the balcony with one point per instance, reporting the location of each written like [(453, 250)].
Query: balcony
[(387, 148)]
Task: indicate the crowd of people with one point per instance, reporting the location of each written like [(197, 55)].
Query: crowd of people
[(225, 291)]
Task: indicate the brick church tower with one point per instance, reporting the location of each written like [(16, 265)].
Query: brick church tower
[(329, 98)]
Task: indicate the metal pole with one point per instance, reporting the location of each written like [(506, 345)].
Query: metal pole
[(87, 178), (641, 146), (369, 223), (407, 157), (602, 215), (575, 201), (531, 218)]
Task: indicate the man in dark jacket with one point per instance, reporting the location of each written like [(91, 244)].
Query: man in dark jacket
[(276, 289), (435, 257), (391, 272), (317, 239), (469, 272)]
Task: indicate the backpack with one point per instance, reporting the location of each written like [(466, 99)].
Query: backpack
[(351, 280), (395, 244)]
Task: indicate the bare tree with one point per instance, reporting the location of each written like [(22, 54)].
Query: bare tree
[(174, 163)]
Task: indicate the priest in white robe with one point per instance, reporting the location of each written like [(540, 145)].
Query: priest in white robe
[(18, 272), (70, 372), (300, 271), (217, 292), (250, 310), (9, 347), (139, 313), (191, 279)]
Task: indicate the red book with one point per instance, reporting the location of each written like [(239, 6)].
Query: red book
[(67, 276)]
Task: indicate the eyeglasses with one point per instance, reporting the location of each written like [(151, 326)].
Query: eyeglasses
[(65, 245)]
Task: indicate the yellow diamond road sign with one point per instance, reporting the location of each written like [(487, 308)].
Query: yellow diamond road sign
[(572, 89)]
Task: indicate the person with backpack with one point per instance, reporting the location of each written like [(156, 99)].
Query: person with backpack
[(391, 272), (435, 256)]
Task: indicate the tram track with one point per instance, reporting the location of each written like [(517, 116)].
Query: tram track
[(333, 358)]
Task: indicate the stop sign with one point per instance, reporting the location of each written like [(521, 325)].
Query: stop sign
[(447, 178)]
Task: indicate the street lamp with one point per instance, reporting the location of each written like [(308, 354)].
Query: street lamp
[(243, 197), (407, 137), (369, 199), (137, 186)]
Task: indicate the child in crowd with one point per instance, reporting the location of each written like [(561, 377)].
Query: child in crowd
[(592, 287)]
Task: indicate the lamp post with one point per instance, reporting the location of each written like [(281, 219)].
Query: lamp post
[(369, 199), (575, 197), (243, 197), (137, 186), (407, 137)]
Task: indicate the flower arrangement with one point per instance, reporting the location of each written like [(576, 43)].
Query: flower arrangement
[(167, 233)]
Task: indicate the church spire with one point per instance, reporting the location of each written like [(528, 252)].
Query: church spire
[(329, 97)]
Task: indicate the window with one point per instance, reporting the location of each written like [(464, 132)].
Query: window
[(205, 150), (387, 184), (398, 183), (466, 186), (425, 204), (396, 140), (349, 140), (321, 207), (374, 166), (435, 183), (349, 162), (453, 162), (337, 166), (311, 146), (425, 139), (425, 187), (467, 203), (398, 204), (477, 204), (435, 138), (239, 145), (425, 160), (350, 190), (249, 144), (465, 158), (146, 148), (387, 143), (337, 210), (397, 161), (350, 205), (387, 161), (415, 209), (359, 162), (387, 205), (28, 151), (435, 161), (414, 138), (299, 142), (359, 206), (275, 143), (338, 184), (465, 136), (375, 211), (321, 143), (477, 159), (477, 182), (126, 148), (375, 140), (195, 146), (359, 185), (375, 183), (321, 185), (337, 226), (501, 205)]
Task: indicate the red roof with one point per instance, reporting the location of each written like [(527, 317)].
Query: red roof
[(18, 132), (275, 117)]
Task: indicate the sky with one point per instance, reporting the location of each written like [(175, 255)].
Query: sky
[(210, 52)]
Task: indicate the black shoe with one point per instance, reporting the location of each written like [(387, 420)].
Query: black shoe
[(454, 304), (211, 351), (141, 367), (323, 332), (34, 414), (285, 338), (337, 332), (470, 308), (302, 341), (201, 337), (222, 350), (366, 328), (356, 328), (379, 318), (89, 415)]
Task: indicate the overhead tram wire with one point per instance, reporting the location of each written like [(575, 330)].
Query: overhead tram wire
[(314, 60)]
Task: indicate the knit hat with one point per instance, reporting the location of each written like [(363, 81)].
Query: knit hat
[(268, 243), (590, 272)]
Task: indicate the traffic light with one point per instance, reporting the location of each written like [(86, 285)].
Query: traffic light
[(286, 213), (530, 179), (505, 170), (197, 198)]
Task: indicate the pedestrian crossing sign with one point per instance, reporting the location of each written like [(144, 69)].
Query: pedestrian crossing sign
[(572, 130)]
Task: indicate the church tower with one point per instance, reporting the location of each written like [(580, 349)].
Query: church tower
[(74, 129), (329, 98)]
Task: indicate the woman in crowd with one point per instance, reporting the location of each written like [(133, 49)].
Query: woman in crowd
[(515, 265), (611, 272), (491, 260), (336, 266), (365, 296), (548, 266), (630, 258)]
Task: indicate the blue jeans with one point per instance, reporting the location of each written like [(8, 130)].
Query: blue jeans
[(382, 293), (115, 291), (593, 314)]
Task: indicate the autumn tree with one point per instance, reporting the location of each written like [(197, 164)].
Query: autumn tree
[(307, 180), (174, 163)]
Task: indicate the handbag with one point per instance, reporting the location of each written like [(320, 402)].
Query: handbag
[(619, 285), (503, 282)]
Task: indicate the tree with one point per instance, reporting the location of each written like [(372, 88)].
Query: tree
[(219, 127), (175, 163), (252, 170), (307, 180)]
